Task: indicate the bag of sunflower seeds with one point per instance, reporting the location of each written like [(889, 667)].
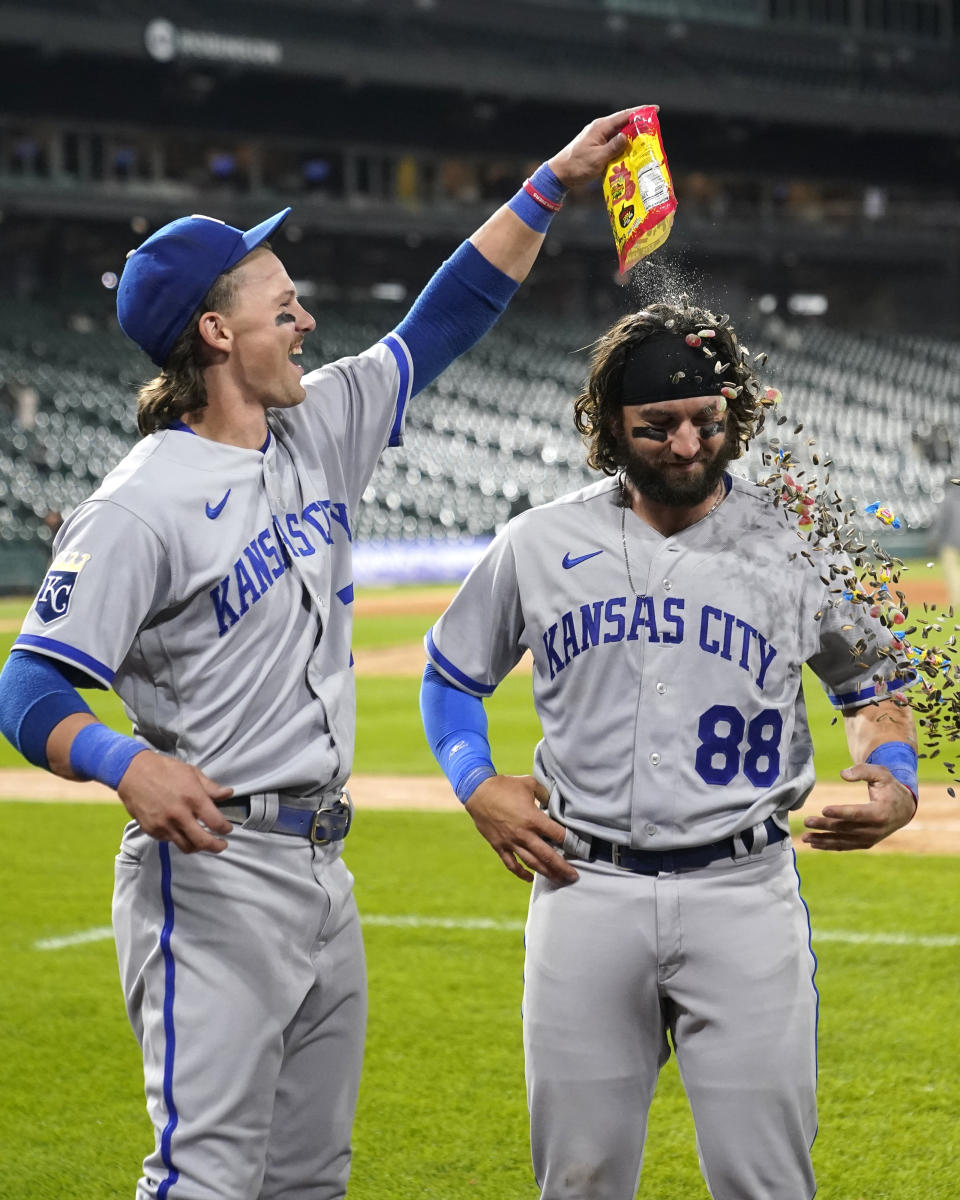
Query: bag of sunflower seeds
[(638, 190)]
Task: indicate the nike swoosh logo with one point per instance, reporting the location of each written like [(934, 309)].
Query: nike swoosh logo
[(214, 510), (569, 562)]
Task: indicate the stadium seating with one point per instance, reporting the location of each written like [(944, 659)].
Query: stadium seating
[(494, 434)]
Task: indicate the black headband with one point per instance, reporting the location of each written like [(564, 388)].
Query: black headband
[(664, 367)]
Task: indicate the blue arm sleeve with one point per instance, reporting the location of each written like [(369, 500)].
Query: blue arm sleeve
[(453, 312), (35, 696), (456, 727)]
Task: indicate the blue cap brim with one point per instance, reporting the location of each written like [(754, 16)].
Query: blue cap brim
[(259, 233), (167, 277)]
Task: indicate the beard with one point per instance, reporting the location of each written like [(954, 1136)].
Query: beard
[(657, 483)]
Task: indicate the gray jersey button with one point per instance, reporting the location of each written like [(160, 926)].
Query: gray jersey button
[(661, 687), (655, 758), (650, 829), (667, 585)]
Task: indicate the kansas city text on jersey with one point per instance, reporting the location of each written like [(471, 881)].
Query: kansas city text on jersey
[(615, 620), (269, 554)]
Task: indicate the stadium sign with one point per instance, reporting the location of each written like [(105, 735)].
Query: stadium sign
[(165, 42)]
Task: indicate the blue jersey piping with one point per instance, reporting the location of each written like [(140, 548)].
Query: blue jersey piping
[(398, 349), (845, 699), (170, 1041), (69, 654), (485, 689), (813, 983)]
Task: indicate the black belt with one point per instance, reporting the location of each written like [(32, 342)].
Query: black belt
[(331, 823), (652, 862)]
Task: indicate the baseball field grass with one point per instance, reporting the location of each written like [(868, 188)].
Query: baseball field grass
[(442, 1108)]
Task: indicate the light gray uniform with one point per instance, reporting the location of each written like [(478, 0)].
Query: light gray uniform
[(197, 581), (672, 719)]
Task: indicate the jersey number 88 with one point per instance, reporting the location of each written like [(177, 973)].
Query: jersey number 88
[(721, 731)]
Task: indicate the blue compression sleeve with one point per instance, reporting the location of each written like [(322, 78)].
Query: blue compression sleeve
[(35, 696), (453, 312), (456, 727)]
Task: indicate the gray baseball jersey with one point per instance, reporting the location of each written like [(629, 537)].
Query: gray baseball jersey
[(212, 587), (667, 679), (672, 716), (201, 577)]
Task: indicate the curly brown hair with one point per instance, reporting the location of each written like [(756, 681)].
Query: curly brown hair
[(597, 409), (180, 387)]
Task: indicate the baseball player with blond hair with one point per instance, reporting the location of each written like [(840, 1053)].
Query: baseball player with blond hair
[(208, 581), (669, 609)]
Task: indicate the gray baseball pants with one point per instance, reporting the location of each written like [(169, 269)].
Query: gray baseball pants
[(717, 957), (245, 983)]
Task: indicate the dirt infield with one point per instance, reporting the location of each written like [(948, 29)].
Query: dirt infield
[(936, 829)]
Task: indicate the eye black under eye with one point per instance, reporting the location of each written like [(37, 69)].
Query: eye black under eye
[(648, 431)]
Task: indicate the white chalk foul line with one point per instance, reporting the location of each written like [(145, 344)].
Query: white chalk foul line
[(415, 922), (929, 941), (848, 937), (75, 939)]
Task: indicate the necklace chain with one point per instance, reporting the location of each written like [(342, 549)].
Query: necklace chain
[(623, 528)]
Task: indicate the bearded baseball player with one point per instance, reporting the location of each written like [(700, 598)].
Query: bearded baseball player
[(669, 609), (209, 582)]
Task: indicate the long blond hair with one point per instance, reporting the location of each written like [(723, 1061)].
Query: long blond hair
[(180, 387)]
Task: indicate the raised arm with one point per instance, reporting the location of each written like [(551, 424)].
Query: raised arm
[(507, 239), (473, 287), (883, 745)]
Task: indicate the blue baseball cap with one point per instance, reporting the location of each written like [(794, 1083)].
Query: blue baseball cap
[(166, 278)]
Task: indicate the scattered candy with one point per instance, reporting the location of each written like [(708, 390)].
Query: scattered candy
[(884, 514), (677, 376), (853, 570)]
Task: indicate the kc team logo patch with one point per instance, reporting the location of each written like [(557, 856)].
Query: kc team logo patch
[(53, 599)]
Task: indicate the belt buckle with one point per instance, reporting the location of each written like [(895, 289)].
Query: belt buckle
[(615, 853), (344, 804)]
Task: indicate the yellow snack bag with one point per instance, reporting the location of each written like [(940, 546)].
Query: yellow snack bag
[(639, 191)]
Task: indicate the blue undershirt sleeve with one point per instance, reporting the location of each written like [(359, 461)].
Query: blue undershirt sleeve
[(35, 696), (453, 312), (456, 727)]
